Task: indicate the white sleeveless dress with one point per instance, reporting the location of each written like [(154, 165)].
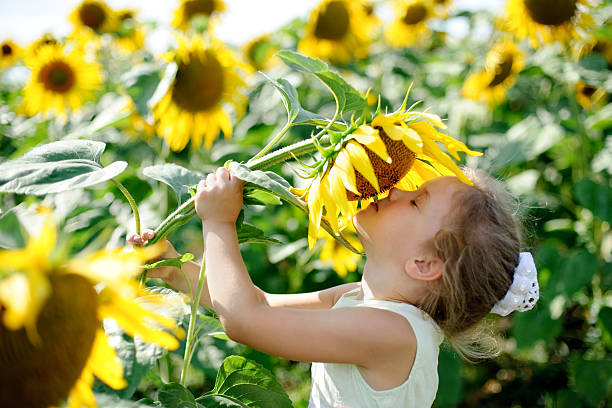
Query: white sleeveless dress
[(341, 385)]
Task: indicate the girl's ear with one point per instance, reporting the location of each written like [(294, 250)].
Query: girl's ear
[(424, 269)]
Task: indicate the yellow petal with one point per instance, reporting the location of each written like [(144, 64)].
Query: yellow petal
[(315, 211), (342, 167), (361, 162), (104, 362), (81, 394), (370, 138)]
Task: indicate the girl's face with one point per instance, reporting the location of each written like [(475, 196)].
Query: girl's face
[(397, 227)]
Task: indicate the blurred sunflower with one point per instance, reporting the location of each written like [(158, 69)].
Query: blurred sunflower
[(93, 16), (129, 35), (396, 150), (341, 258), (547, 21), (338, 31), (503, 63), (51, 339), (589, 96), (10, 53), (408, 27), (193, 107), (189, 10), (60, 80), (259, 52), (443, 7), (597, 42), (45, 39)]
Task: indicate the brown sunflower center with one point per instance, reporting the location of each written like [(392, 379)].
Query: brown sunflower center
[(57, 76), (588, 91), (199, 83), (503, 70), (198, 7), (6, 50), (333, 21), (415, 13), (551, 12), (42, 375), (92, 15), (388, 175)]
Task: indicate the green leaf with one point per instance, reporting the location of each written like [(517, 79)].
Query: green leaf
[(578, 271), (56, 167), (349, 99), (11, 236), (449, 389), (244, 383), (210, 326), (174, 395), (141, 84), (259, 197), (535, 325), (178, 178), (248, 234), (604, 319), (595, 197), (176, 262), (592, 379)]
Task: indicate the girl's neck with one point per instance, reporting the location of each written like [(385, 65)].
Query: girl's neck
[(388, 282)]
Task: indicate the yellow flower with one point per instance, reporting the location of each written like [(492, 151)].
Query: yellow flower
[(93, 16), (129, 35), (10, 53), (342, 259), (547, 21), (51, 340), (208, 77), (259, 52), (190, 9), (60, 81), (409, 26), (396, 150), (45, 39), (590, 96), (338, 31), (443, 7), (504, 61)]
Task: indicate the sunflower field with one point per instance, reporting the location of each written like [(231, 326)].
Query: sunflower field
[(101, 138)]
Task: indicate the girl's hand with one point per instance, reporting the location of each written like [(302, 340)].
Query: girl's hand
[(165, 273), (219, 197)]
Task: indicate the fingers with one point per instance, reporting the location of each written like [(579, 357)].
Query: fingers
[(143, 238)]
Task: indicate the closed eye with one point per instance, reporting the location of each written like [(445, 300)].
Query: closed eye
[(413, 202)]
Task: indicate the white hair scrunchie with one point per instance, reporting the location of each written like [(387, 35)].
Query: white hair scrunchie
[(524, 291)]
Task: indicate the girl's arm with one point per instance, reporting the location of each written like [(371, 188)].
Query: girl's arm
[(367, 337)]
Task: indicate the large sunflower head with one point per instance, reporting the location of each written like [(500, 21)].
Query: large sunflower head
[(10, 53), (93, 16), (60, 81), (208, 78), (409, 25), (338, 31), (51, 339), (547, 21), (189, 10), (399, 150), (503, 63)]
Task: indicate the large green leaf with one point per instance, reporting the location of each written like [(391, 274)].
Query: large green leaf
[(56, 167), (534, 325), (248, 234), (449, 388), (592, 379), (244, 383), (349, 99), (174, 395), (178, 178), (10, 231), (595, 197)]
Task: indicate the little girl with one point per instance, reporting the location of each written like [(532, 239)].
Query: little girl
[(438, 260)]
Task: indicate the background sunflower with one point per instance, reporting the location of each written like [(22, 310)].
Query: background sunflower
[(409, 24), (188, 10), (10, 53)]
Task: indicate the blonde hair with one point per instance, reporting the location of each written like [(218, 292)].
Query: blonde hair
[(479, 242)]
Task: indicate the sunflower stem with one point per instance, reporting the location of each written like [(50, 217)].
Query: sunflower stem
[(272, 142), (130, 199), (189, 342)]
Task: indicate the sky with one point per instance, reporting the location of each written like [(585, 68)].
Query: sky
[(26, 20)]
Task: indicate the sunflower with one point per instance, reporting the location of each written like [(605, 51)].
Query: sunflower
[(11, 52), (60, 80), (342, 259), (547, 21), (443, 7), (503, 63), (193, 107), (338, 31), (409, 26), (51, 339), (589, 96), (259, 52), (190, 9), (129, 35), (93, 16), (45, 39), (396, 150)]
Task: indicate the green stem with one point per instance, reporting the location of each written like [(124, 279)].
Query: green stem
[(272, 142), (131, 201), (189, 342)]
